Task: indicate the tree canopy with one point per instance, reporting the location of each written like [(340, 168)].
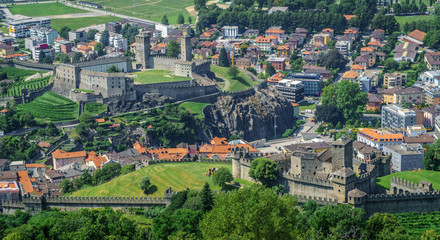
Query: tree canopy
[(173, 49), (264, 170)]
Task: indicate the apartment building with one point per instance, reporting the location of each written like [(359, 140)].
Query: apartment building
[(397, 119), (396, 79), (19, 27), (292, 90)]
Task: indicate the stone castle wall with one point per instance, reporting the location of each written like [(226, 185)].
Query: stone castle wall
[(162, 62)]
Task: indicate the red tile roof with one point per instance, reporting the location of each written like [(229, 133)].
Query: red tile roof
[(417, 34), (58, 154)]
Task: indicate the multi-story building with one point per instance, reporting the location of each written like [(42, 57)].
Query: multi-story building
[(379, 140), (230, 31), (399, 95), (113, 27), (430, 77), (20, 27), (374, 102), (63, 46), (9, 191), (292, 90), (321, 39), (6, 50), (378, 35), (62, 158), (47, 50), (80, 35), (437, 128), (432, 95), (47, 35), (343, 46), (397, 119), (263, 43), (405, 157), (276, 31), (352, 33), (430, 114), (313, 83), (416, 130), (118, 42), (396, 79), (432, 60), (278, 63)]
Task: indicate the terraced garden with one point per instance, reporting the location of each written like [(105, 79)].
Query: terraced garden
[(51, 107), (95, 108), (15, 88)]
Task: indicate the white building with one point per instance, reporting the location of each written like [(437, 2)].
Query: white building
[(405, 157), (164, 29), (47, 35), (19, 26), (230, 31), (343, 46), (416, 130), (379, 140), (36, 52)]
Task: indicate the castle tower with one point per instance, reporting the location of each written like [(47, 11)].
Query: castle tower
[(237, 154), (342, 153), (343, 182), (143, 49), (185, 48)]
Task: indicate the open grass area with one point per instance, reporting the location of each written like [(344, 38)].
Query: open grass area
[(95, 108), (430, 176), (51, 107), (157, 76), (17, 74), (242, 82), (403, 19), (307, 106), (149, 9), (178, 176), (195, 108), (43, 9), (75, 23)]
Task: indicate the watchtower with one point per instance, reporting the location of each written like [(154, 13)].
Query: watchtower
[(342, 153), (343, 182), (185, 48), (143, 49)]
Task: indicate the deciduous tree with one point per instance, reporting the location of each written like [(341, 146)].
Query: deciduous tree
[(222, 176), (264, 170)]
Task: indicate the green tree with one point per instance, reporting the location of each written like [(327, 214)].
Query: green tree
[(189, 19), (222, 176), (77, 57), (329, 114), (67, 186), (264, 170), (64, 58), (432, 38), (207, 198), (85, 117), (173, 49), (105, 38), (390, 65), (431, 159), (233, 71), (145, 184), (180, 19), (384, 226), (251, 213), (113, 69), (99, 48), (407, 105), (47, 60), (165, 20), (430, 235), (270, 69), (64, 32), (223, 58), (41, 57), (198, 4), (91, 34), (320, 129), (333, 59)]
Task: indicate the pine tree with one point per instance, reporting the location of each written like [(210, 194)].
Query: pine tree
[(223, 58), (207, 198), (189, 19), (180, 19), (165, 20)]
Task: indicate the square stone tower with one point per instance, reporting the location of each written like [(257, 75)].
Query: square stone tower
[(143, 49), (343, 182), (185, 48), (342, 153)]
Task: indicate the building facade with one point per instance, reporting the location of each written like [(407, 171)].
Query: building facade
[(397, 119), (405, 157)]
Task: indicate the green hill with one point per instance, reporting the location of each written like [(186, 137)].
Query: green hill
[(430, 176)]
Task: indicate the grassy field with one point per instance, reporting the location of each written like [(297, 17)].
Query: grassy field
[(51, 107), (17, 74), (195, 108), (149, 9), (403, 19), (178, 176), (242, 82), (95, 108), (75, 23), (430, 176), (157, 76), (307, 106), (43, 9)]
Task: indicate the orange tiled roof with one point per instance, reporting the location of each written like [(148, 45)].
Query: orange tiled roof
[(97, 160), (367, 49), (357, 67), (35, 165), (373, 44), (272, 37), (348, 17), (377, 137), (133, 44), (100, 120), (139, 148), (173, 154), (261, 39), (92, 43), (328, 30), (417, 34), (44, 144), (4, 110), (219, 141), (206, 34), (276, 31), (26, 182), (350, 31), (215, 56), (294, 104), (84, 48), (350, 74), (277, 77), (63, 154), (283, 47), (162, 45), (16, 55)]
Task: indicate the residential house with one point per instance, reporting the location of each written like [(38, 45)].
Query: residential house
[(80, 35), (397, 119), (432, 95), (96, 161), (301, 32), (263, 43), (357, 68), (363, 152), (276, 78), (367, 50), (283, 50), (243, 63), (432, 60), (378, 36), (396, 79), (276, 31), (399, 95), (420, 139), (220, 148), (278, 63), (321, 39), (343, 46), (430, 113), (6, 50), (329, 31), (430, 77), (415, 37), (47, 35), (62, 46), (278, 10), (352, 33), (350, 76), (311, 58), (215, 60), (378, 140), (62, 158), (251, 33), (325, 74), (374, 102)]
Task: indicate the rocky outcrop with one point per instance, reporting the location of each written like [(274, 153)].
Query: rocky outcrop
[(147, 100), (250, 117)]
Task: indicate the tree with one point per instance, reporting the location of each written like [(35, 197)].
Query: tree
[(432, 38), (390, 65), (270, 69), (91, 34), (85, 117), (189, 19), (64, 58), (47, 60), (430, 235), (77, 57), (264, 170), (384, 226), (320, 129), (64, 32), (437, 9), (41, 56), (333, 59), (407, 105), (251, 213), (431, 159), (329, 114), (207, 198), (222, 176), (145, 184), (223, 58), (173, 49), (233, 71), (180, 19), (105, 38), (67, 186), (165, 20), (113, 69), (99, 48), (198, 4)]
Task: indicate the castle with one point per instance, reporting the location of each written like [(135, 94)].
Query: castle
[(334, 178)]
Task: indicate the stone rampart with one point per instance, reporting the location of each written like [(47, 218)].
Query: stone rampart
[(31, 65), (399, 186), (162, 62), (319, 200)]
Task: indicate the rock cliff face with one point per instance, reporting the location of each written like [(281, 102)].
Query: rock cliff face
[(147, 100), (250, 117)]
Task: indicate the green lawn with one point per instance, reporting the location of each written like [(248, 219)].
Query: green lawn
[(149, 9), (307, 106), (43, 9), (178, 176), (430, 176), (95, 108), (157, 76), (403, 19), (51, 107), (75, 23), (242, 82), (195, 108)]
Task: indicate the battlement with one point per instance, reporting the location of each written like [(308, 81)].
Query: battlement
[(319, 200), (398, 185), (165, 57), (76, 200), (308, 180), (404, 196)]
